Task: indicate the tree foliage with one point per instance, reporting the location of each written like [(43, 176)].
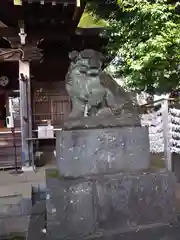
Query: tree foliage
[(89, 21), (145, 35)]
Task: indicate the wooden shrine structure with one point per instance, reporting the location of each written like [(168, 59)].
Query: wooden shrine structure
[(35, 39)]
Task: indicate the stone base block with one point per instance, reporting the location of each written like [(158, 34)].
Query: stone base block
[(37, 222), (117, 202), (150, 232), (93, 151)]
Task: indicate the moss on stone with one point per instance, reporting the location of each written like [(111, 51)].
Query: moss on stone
[(15, 236), (158, 163), (54, 174)]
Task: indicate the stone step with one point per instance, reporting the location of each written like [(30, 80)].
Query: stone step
[(15, 207)]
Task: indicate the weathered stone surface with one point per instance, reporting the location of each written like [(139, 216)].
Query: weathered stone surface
[(84, 152), (118, 202), (37, 222), (127, 201), (69, 208), (14, 215), (150, 232), (153, 232), (94, 122)]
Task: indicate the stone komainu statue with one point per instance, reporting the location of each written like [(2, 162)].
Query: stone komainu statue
[(93, 91)]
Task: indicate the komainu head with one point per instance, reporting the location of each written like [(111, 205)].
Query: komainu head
[(88, 61)]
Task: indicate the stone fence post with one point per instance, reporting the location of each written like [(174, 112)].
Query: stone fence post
[(167, 150)]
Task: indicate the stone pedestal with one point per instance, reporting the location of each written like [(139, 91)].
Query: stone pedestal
[(104, 188), (110, 206), (96, 151)]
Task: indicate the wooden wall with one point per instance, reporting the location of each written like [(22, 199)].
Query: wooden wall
[(9, 153), (50, 102)]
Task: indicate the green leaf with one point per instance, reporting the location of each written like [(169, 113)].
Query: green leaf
[(147, 36)]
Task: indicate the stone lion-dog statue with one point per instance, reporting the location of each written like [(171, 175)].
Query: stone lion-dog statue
[(92, 91)]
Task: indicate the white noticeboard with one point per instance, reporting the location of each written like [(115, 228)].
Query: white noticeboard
[(45, 132)]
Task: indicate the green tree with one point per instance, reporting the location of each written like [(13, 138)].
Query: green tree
[(145, 37)]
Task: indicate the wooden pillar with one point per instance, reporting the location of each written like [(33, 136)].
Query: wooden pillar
[(25, 113), (30, 135), (167, 150)]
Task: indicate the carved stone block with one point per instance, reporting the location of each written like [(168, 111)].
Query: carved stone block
[(85, 152)]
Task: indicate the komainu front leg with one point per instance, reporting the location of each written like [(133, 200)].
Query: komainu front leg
[(78, 108)]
